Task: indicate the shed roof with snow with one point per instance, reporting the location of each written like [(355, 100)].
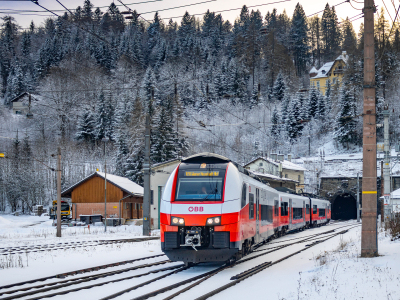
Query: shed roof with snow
[(127, 186)]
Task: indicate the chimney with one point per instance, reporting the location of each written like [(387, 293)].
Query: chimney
[(344, 53), (274, 156), (289, 157), (281, 157)]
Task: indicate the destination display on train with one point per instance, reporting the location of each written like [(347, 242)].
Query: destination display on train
[(193, 174)]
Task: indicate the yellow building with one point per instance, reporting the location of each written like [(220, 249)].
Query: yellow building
[(331, 71)]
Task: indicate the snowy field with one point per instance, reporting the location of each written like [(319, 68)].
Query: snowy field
[(330, 270)]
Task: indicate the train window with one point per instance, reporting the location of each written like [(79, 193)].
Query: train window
[(276, 208), (196, 185), (244, 193), (284, 209), (314, 209), (266, 214), (297, 213), (251, 206), (322, 212), (307, 209)]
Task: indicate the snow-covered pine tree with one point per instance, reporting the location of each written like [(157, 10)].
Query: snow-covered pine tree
[(285, 113), (148, 90), (321, 113), (86, 127), (345, 129), (313, 101), (134, 163), (254, 100), (279, 88), (275, 128), (162, 137), (110, 117), (295, 125), (122, 152), (101, 121), (299, 39)]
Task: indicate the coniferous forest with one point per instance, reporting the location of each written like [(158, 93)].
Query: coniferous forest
[(238, 89)]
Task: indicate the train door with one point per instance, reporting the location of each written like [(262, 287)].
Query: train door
[(304, 212), (257, 215), (290, 212), (311, 212)]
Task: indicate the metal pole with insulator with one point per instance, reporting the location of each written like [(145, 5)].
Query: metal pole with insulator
[(146, 180), (358, 197), (59, 192)]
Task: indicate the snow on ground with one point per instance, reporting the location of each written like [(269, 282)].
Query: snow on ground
[(330, 270)]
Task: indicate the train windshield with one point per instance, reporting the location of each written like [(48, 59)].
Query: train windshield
[(200, 185)]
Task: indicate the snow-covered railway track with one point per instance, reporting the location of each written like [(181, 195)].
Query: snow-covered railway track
[(196, 280), (172, 277), (72, 273), (252, 271), (69, 245)]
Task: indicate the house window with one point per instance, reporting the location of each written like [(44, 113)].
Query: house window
[(261, 164), (317, 84), (298, 178), (285, 175), (334, 80)]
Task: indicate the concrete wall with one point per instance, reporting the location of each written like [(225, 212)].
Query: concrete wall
[(158, 179)]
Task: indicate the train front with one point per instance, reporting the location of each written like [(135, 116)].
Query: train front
[(198, 224)]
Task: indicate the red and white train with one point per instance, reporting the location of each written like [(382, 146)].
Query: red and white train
[(212, 209)]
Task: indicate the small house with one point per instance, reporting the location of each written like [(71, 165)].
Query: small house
[(20, 104), (124, 197)]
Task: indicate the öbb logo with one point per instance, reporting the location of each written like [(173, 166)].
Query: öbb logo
[(196, 208)]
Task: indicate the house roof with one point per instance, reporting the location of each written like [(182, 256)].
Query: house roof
[(326, 68), (313, 70), (165, 163), (395, 194), (285, 164), (288, 165), (323, 72), (126, 185), (273, 177), (20, 96), (264, 159)]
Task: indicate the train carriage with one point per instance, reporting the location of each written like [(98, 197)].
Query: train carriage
[(214, 210)]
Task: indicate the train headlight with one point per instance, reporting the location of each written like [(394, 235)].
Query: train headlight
[(177, 221), (213, 221)]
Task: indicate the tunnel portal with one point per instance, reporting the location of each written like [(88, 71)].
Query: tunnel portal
[(344, 207)]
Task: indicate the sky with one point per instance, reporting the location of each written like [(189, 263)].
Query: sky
[(147, 9)]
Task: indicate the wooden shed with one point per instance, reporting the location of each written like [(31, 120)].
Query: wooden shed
[(123, 197)]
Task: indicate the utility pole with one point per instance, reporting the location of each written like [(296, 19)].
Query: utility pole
[(369, 241), (59, 192), (358, 197), (382, 194), (105, 186), (146, 179), (386, 163)]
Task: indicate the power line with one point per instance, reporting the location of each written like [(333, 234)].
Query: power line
[(219, 11), (324, 9)]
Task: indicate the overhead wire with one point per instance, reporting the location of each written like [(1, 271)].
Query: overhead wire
[(232, 9), (324, 9), (355, 7), (387, 10)]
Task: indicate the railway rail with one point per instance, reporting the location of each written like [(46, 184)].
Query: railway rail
[(69, 245), (40, 290)]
